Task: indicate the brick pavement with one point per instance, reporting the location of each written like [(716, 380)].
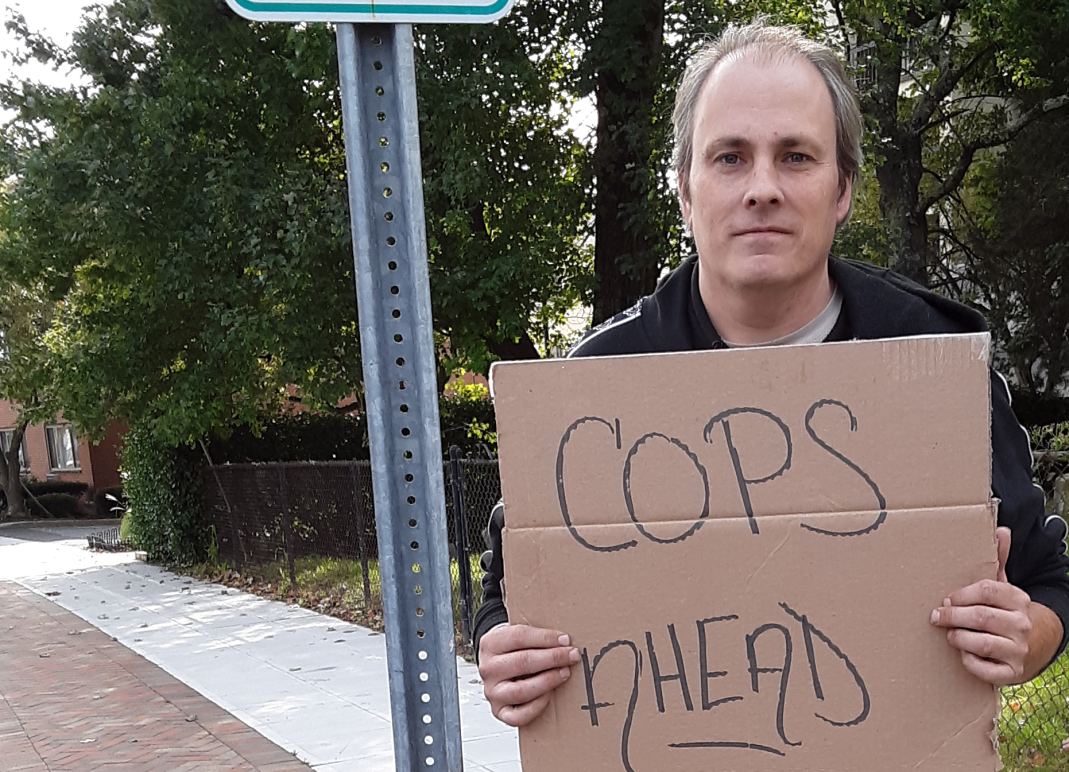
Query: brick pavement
[(74, 700)]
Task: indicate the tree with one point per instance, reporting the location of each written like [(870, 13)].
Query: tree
[(1014, 259), (946, 79), (189, 207), (504, 188), (27, 377)]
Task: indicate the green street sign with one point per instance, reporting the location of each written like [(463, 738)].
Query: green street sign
[(393, 12)]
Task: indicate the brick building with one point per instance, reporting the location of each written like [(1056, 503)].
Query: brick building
[(56, 452)]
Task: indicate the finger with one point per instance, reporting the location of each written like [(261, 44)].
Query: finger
[(1004, 537), (987, 646), (525, 690), (515, 637), (985, 619), (520, 664), (997, 673), (988, 592), (521, 715)]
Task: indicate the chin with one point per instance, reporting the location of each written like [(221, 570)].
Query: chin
[(761, 272)]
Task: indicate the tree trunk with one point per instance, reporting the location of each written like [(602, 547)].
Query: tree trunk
[(10, 479), (627, 58), (906, 227), (900, 169)]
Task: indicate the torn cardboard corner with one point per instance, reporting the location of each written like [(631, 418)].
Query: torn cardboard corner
[(746, 546)]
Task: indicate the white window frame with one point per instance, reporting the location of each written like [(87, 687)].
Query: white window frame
[(51, 435), (6, 436)]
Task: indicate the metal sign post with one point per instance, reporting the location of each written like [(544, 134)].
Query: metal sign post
[(378, 87), (397, 347)]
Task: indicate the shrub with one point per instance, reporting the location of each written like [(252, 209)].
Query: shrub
[(298, 437), (163, 492), (76, 489), (468, 420), (58, 505)]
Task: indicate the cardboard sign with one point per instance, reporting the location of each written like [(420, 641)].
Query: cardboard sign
[(746, 546)]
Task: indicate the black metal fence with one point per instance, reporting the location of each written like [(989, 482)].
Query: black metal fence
[(283, 513)]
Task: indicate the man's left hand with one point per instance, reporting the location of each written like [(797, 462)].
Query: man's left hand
[(1003, 636)]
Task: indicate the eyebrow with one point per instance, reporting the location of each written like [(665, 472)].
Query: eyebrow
[(733, 141)]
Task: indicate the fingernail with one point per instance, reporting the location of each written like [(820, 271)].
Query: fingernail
[(564, 640), (946, 602), (935, 616), (564, 673), (573, 655)]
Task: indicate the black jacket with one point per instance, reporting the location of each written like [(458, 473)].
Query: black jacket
[(877, 303)]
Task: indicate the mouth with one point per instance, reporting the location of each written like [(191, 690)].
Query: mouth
[(767, 231)]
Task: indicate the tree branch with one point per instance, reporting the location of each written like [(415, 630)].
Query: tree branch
[(949, 77), (969, 150)]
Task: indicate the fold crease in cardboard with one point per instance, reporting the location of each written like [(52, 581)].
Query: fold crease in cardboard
[(746, 546)]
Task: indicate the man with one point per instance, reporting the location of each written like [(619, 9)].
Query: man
[(767, 130)]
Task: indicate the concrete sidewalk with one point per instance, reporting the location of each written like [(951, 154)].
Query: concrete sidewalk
[(315, 685)]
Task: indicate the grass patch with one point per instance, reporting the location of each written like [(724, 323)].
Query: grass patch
[(1035, 721), (332, 586)]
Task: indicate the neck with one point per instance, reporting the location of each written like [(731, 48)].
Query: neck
[(761, 313)]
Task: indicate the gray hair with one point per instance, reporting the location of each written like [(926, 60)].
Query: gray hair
[(767, 40)]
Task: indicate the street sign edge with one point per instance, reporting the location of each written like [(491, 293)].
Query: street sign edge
[(370, 12)]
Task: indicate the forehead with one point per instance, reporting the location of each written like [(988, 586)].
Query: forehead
[(755, 95)]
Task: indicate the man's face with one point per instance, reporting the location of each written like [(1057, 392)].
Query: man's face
[(763, 198)]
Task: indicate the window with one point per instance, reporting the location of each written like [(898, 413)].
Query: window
[(62, 448), (863, 61), (6, 436)]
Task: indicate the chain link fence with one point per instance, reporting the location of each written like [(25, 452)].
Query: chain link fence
[(299, 517), (1034, 722)]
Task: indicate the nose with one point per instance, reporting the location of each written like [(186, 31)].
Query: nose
[(764, 185)]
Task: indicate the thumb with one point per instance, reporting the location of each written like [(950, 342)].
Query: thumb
[(1003, 537)]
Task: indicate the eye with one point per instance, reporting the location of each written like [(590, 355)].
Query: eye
[(797, 158), (730, 159)]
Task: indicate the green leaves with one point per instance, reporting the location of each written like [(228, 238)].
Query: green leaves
[(190, 209)]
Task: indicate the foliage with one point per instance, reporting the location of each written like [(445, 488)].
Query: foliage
[(1053, 437), (504, 190), (862, 237), (162, 485), (949, 78), (296, 437), (1034, 722), (70, 487), (1015, 259), (27, 372), (61, 506), (468, 420), (189, 207)]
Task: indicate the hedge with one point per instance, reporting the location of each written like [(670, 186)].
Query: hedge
[(57, 505), (163, 492)]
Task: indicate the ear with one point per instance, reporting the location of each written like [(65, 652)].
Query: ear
[(684, 198), (846, 198)]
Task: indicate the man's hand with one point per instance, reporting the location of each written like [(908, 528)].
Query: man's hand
[(520, 666), (1003, 636)]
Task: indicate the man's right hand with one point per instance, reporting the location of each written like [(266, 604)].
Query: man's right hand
[(520, 666)]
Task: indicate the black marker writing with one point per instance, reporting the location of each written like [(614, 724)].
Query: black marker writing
[(784, 671), (703, 663), (680, 674), (562, 495), (672, 442), (860, 472), (592, 705), (744, 483)]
